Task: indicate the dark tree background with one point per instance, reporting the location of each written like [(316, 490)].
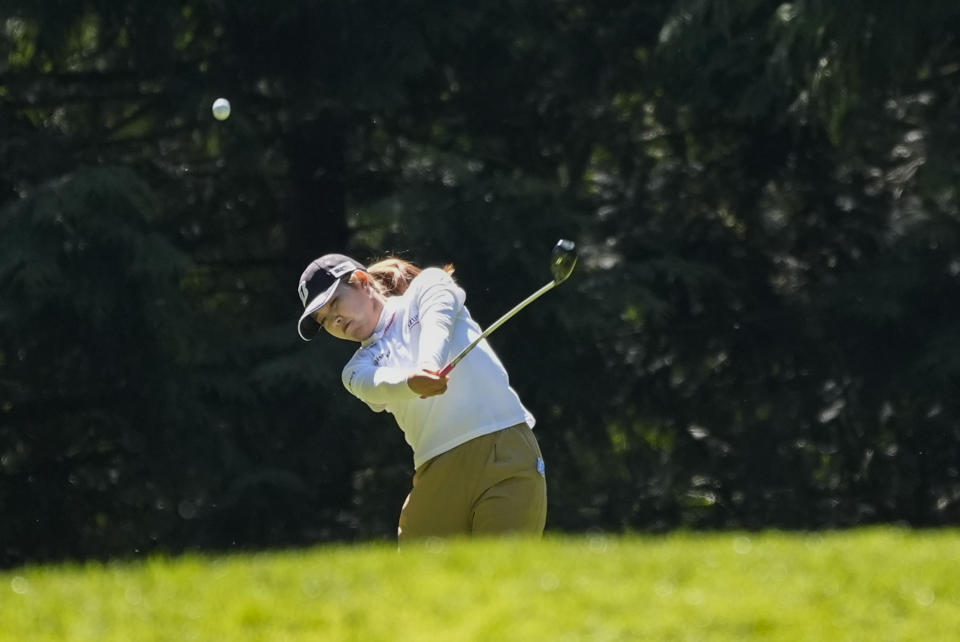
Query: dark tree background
[(763, 331)]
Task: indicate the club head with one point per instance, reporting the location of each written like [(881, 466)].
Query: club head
[(564, 258)]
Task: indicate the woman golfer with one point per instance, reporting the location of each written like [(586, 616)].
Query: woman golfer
[(478, 466)]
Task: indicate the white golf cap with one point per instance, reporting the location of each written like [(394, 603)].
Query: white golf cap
[(317, 284)]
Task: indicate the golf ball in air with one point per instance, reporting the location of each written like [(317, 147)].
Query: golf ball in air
[(221, 109)]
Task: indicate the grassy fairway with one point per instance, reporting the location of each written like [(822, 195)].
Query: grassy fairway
[(875, 584)]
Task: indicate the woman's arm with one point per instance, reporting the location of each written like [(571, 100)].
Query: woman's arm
[(377, 386), (440, 301)]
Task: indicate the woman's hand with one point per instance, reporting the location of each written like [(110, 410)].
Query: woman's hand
[(427, 383)]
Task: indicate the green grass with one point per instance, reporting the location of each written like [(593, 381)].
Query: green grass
[(872, 584)]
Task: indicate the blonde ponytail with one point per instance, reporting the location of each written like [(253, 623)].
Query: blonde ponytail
[(392, 276)]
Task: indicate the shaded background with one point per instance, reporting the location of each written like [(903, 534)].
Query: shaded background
[(762, 331)]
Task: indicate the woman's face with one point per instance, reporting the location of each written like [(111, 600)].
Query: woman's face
[(352, 312)]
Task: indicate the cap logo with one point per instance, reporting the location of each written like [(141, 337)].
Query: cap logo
[(339, 270), (303, 292)]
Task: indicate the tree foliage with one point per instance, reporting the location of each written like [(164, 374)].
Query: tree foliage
[(761, 331)]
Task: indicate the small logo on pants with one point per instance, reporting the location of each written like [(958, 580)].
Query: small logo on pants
[(541, 467)]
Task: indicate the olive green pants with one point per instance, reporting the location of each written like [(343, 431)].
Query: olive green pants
[(491, 485)]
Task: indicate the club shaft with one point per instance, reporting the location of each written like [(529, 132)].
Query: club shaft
[(496, 324)]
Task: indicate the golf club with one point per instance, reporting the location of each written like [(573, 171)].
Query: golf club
[(563, 260)]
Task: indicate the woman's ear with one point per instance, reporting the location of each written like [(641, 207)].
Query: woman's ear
[(363, 279)]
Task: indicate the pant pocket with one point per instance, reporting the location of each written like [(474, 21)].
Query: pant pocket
[(514, 448)]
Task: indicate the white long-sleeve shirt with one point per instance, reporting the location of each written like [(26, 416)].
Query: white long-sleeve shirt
[(424, 328)]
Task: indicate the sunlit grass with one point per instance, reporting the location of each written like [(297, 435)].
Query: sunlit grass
[(874, 584)]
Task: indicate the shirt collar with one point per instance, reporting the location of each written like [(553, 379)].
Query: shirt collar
[(387, 315)]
